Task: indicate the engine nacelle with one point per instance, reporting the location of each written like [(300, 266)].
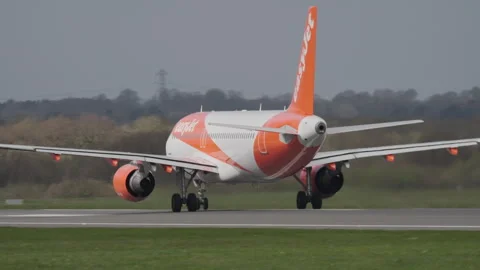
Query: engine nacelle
[(132, 183), (324, 181)]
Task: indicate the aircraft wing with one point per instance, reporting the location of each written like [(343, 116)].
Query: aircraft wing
[(338, 130), (328, 157), (187, 163)]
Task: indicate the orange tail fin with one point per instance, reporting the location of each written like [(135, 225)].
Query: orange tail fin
[(303, 95)]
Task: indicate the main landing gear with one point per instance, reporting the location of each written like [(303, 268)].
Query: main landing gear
[(303, 198), (191, 200)]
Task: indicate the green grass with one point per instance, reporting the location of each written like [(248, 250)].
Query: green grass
[(347, 198), (89, 248)]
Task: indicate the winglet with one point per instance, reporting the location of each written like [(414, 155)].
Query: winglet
[(303, 94)]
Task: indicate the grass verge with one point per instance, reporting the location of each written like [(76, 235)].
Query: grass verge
[(92, 248), (349, 197)]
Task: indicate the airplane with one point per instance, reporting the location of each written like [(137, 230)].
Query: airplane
[(251, 147)]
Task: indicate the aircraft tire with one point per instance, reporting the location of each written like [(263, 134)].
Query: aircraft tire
[(301, 200), (198, 203), (205, 203), (192, 202), (316, 201), (176, 203)]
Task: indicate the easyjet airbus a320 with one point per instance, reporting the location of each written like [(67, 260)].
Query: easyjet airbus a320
[(251, 146)]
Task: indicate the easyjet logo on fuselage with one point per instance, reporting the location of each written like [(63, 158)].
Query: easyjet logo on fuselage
[(186, 126), (301, 66)]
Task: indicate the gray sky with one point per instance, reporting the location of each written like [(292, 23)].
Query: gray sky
[(51, 49)]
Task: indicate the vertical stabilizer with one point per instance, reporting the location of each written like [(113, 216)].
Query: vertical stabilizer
[(303, 94)]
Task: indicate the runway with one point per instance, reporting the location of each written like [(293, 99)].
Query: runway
[(385, 219)]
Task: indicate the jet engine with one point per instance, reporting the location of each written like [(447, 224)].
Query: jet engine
[(132, 183), (324, 180)]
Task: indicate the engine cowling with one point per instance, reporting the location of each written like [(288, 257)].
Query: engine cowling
[(132, 183), (324, 181)]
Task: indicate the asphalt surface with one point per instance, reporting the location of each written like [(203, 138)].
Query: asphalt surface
[(387, 219)]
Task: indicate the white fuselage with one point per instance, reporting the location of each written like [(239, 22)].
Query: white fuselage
[(245, 155)]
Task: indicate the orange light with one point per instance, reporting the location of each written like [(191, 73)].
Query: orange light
[(167, 168), (390, 158), (332, 166), (56, 157), (114, 162), (453, 151)]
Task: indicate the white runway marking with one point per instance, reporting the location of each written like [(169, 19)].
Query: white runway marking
[(47, 215), (240, 225), (97, 209), (211, 209)]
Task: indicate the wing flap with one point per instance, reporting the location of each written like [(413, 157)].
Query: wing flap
[(322, 158), (346, 129)]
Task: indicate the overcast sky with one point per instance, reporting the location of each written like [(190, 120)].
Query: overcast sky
[(51, 49)]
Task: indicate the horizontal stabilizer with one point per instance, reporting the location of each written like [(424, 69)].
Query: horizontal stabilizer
[(338, 130), (283, 130)]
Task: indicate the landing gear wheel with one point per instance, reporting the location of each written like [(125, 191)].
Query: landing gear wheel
[(301, 200), (198, 203), (316, 201), (192, 202), (205, 203), (176, 202)]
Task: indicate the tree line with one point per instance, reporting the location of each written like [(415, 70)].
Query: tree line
[(430, 169), (172, 104)]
